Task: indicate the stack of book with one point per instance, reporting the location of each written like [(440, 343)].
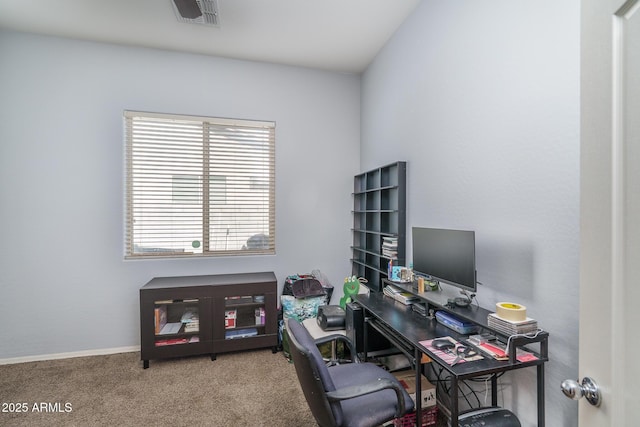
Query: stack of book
[(511, 327), (390, 247), (191, 320), (398, 294)]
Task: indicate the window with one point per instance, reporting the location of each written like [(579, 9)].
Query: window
[(198, 186)]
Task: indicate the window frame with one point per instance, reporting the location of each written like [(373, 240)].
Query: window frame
[(258, 136)]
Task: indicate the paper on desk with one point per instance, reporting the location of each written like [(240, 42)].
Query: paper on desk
[(498, 351), (449, 356)]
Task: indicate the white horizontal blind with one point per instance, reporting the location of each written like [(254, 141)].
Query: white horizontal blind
[(198, 186)]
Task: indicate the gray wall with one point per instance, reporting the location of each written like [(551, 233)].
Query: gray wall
[(482, 100), (64, 284)]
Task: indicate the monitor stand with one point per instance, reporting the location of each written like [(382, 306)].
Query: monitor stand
[(465, 300), (462, 302)]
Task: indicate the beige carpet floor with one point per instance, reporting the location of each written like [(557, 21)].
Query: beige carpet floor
[(252, 388)]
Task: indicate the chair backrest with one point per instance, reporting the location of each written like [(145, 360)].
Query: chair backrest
[(313, 375)]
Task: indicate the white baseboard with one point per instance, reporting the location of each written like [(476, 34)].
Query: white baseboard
[(97, 352)]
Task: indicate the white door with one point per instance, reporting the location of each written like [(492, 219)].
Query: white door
[(610, 210)]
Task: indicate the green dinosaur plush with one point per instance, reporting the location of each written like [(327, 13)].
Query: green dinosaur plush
[(351, 287)]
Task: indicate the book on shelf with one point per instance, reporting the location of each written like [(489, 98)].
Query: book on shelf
[(172, 341), (189, 315), (160, 317), (241, 333), (241, 299), (192, 326), (230, 319), (190, 320), (259, 316), (390, 247), (171, 328), (390, 254), (406, 298)]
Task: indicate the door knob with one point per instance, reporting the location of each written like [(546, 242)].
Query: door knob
[(589, 389)]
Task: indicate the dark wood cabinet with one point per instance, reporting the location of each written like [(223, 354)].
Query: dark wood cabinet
[(193, 315)]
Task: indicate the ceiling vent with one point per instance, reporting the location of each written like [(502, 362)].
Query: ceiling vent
[(196, 11)]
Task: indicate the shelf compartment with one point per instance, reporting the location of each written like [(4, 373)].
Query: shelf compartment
[(360, 184), (373, 221), (244, 316), (359, 201), (373, 243), (373, 201), (389, 175), (389, 222), (172, 318), (373, 179), (389, 199)]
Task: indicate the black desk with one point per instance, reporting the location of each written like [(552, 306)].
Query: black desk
[(405, 329)]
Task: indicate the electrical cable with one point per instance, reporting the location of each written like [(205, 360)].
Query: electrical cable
[(486, 390), (438, 376), (466, 395), (473, 297), (443, 389), (530, 335)]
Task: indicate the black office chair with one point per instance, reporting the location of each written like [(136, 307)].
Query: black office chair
[(351, 394)]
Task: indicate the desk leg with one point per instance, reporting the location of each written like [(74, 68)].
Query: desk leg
[(417, 362), (494, 390), (365, 334), (454, 401), (541, 395)]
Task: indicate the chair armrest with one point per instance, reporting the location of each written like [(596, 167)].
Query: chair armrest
[(344, 339), (371, 387)]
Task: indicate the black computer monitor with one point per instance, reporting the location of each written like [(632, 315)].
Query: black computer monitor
[(447, 256)]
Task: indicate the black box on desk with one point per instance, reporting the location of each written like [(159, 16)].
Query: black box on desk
[(354, 324), (331, 317)]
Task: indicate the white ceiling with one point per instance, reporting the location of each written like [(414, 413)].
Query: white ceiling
[(337, 35)]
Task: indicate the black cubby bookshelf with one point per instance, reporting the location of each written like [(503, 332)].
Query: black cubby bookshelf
[(379, 211)]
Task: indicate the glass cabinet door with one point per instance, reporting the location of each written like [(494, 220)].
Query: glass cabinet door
[(244, 316)]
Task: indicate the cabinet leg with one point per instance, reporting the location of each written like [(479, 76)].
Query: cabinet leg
[(213, 357), (274, 349), (145, 364)]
